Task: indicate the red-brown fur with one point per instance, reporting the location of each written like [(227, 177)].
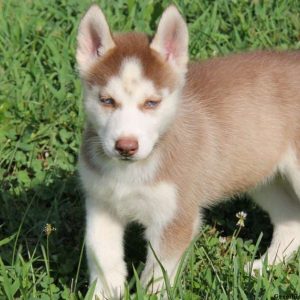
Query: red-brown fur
[(132, 45)]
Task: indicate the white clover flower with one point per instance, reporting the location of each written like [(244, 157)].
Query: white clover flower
[(241, 215), (222, 239), (48, 229)]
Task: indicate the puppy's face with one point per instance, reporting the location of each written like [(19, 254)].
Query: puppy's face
[(128, 110), (132, 86)]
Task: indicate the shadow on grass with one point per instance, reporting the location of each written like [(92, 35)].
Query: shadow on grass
[(223, 218), (61, 203)]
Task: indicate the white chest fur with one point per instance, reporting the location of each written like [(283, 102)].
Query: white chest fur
[(130, 200)]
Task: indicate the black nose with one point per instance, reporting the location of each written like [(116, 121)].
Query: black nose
[(127, 146)]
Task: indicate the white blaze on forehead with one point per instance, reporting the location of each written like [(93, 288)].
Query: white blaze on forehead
[(131, 73), (130, 85)]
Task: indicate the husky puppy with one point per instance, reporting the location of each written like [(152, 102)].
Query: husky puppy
[(164, 137)]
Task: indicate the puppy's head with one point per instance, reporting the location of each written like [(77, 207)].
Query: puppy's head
[(132, 84)]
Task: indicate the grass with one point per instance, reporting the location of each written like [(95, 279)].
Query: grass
[(41, 120)]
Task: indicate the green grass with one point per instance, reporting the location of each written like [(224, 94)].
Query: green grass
[(41, 120)]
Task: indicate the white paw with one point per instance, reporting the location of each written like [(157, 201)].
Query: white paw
[(154, 286), (256, 267), (107, 294)]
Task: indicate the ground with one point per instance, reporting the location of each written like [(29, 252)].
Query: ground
[(41, 119)]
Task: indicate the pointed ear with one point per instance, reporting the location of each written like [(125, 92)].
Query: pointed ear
[(171, 38), (94, 38)]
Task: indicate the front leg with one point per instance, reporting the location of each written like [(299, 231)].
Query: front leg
[(169, 244), (104, 248)]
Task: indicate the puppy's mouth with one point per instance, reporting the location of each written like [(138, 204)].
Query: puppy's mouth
[(126, 158)]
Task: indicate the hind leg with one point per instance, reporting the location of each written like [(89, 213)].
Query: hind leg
[(284, 210), (290, 168)]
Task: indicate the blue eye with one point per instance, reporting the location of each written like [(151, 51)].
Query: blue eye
[(151, 104), (107, 101)]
